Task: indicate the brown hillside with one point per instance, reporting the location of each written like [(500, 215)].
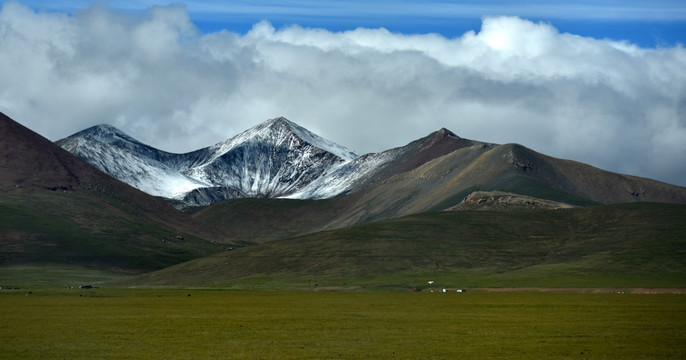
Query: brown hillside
[(416, 154), (447, 180), (586, 181), (30, 161)]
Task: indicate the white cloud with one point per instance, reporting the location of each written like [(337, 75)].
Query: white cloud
[(611, 104)]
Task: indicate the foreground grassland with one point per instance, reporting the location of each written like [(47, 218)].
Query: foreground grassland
[(221, 324)]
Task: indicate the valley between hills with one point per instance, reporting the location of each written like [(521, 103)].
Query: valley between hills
[(278, 207)]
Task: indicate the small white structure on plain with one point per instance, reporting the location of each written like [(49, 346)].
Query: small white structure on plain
[(444, 290), (459, 290), (431, 282)]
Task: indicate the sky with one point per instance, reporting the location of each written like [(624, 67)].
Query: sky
[(601, 82)]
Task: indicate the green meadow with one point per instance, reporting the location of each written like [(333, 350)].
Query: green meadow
[(232, 324)]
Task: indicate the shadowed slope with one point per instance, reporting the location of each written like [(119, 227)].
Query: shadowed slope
[(29, 160), (56, 208)]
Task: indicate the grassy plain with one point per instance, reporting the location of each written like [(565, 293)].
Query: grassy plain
[(198, 324), (44, 276)]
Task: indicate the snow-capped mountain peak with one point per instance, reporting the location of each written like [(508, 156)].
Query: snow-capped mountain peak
[(112, 136), (316, 140), (275, 158), (272, 159), (107, 134), (281, 132)]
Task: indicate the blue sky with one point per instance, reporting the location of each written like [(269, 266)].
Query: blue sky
[(600, 82), (645, 23)]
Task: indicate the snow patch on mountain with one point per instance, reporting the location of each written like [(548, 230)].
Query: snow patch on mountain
[(344, 177), (143, 173), (318, 141)]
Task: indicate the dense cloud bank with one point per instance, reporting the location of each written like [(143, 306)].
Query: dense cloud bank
[(611, 104)]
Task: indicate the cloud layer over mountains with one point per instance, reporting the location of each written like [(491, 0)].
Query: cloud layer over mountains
[(610, 104)]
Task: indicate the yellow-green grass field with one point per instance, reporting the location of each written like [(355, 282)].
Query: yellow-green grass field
[(232, 324)]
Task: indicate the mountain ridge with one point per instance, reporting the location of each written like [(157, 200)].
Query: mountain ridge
[(280, 159)]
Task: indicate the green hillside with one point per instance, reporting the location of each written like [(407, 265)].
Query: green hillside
[(79, 229), (248, 221), (626, 245)]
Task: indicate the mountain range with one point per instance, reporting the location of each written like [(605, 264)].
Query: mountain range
[(280, 159), (289, 204)]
